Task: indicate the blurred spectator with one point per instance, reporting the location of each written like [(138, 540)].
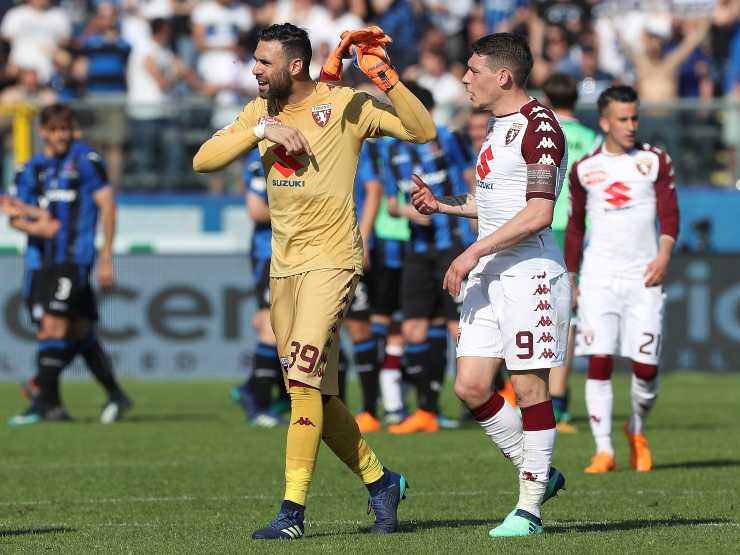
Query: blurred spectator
[(153, 70), (592, 80), (340, 19), (102, 68), (35, 31), (398, 19), (558, 56), (724, 25), (433, 73), (62, 80), (731, 131), (573, 16), (312, 17), (28, 89), (449, 16), (217, 29), (505, 16)]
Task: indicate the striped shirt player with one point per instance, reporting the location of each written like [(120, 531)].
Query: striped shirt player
[(65, 186), (441, 163), (260, 248)]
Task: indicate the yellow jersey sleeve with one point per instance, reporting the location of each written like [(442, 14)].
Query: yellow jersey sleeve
[(231, 142), (407, 120)]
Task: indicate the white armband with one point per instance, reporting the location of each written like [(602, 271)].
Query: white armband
[(259, 130)]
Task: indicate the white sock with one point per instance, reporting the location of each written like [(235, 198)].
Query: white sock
[(505, 430), (599, 401), (391, 381), (535, 470), (644, 393)]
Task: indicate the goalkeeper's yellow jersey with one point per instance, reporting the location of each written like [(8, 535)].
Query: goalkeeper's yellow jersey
[(312, 207)]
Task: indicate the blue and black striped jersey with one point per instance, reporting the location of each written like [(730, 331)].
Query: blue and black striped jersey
[(441, 163), (65, 186), (255, 184)]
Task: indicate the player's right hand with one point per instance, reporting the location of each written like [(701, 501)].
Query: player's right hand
[(291, 138), (422, 197)]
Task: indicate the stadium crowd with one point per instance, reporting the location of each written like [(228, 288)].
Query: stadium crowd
[(136, 64)]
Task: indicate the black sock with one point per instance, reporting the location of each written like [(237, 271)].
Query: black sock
[(418, 371), (380, 334), (265, 374), (52, 357), (99, 364), (366, 364), (343, 364), (437, 338)]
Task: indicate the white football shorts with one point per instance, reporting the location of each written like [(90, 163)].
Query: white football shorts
[(520, 318), (618, 316)]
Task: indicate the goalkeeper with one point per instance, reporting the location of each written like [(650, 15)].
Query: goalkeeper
[(309, 136)]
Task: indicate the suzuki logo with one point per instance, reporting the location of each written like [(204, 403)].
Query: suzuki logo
[(618, 194)]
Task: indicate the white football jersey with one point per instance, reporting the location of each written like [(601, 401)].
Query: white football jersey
[(530, 136), (622, 195)]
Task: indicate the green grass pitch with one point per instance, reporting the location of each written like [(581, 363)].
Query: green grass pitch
[(184, 474)]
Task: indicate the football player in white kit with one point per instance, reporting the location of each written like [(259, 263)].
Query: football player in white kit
[(622, 187), (516, 303)]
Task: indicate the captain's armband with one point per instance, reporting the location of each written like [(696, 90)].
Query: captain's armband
[(541, 181)]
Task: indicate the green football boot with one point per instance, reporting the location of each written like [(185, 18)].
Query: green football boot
[(518, 523)]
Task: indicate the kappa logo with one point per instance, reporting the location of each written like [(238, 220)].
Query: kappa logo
[(546, 142), (536, 109), (544, 322), (546, 337), (304, 421), (321, 114), (541, 290), (544, 127), (618, 196), (482, 168), (512, 132), (529, 476), (543, 305), (543, 115), (595, 418), (546, 159), (548, 354)]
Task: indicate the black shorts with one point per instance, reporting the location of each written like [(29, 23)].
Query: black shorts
[(384, 283), (261, 269), (62, 290), (360, 307), (422, 295)]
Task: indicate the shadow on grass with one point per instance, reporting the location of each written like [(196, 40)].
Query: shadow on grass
[(34, 531), (563, 526), (711, 463)]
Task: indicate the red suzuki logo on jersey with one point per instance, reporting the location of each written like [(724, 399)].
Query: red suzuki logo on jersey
[(286, 164), (618, 196), (483, 169)]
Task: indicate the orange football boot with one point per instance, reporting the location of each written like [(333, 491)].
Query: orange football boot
[(564, 427), (641, 458), (601, 463), (367, 423), (507, 392), (420, 421)]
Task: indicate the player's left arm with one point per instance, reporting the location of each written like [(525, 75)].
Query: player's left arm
[(668, 218)]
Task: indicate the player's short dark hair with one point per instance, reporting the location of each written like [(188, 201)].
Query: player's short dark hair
[(293, 39), (507, 50), (619, 93), (57, 114), (423, 94), (561, 90)]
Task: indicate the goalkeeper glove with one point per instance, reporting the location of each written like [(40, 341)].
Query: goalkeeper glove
[(375, 64), (332, 70)]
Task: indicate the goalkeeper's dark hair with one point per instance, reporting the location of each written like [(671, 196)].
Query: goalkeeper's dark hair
[(619, 93), (423, 94), (293, 39), (507, 50), (57, 114), (561, 90)]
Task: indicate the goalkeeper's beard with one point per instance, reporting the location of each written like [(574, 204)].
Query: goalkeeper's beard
[(279, 87)]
